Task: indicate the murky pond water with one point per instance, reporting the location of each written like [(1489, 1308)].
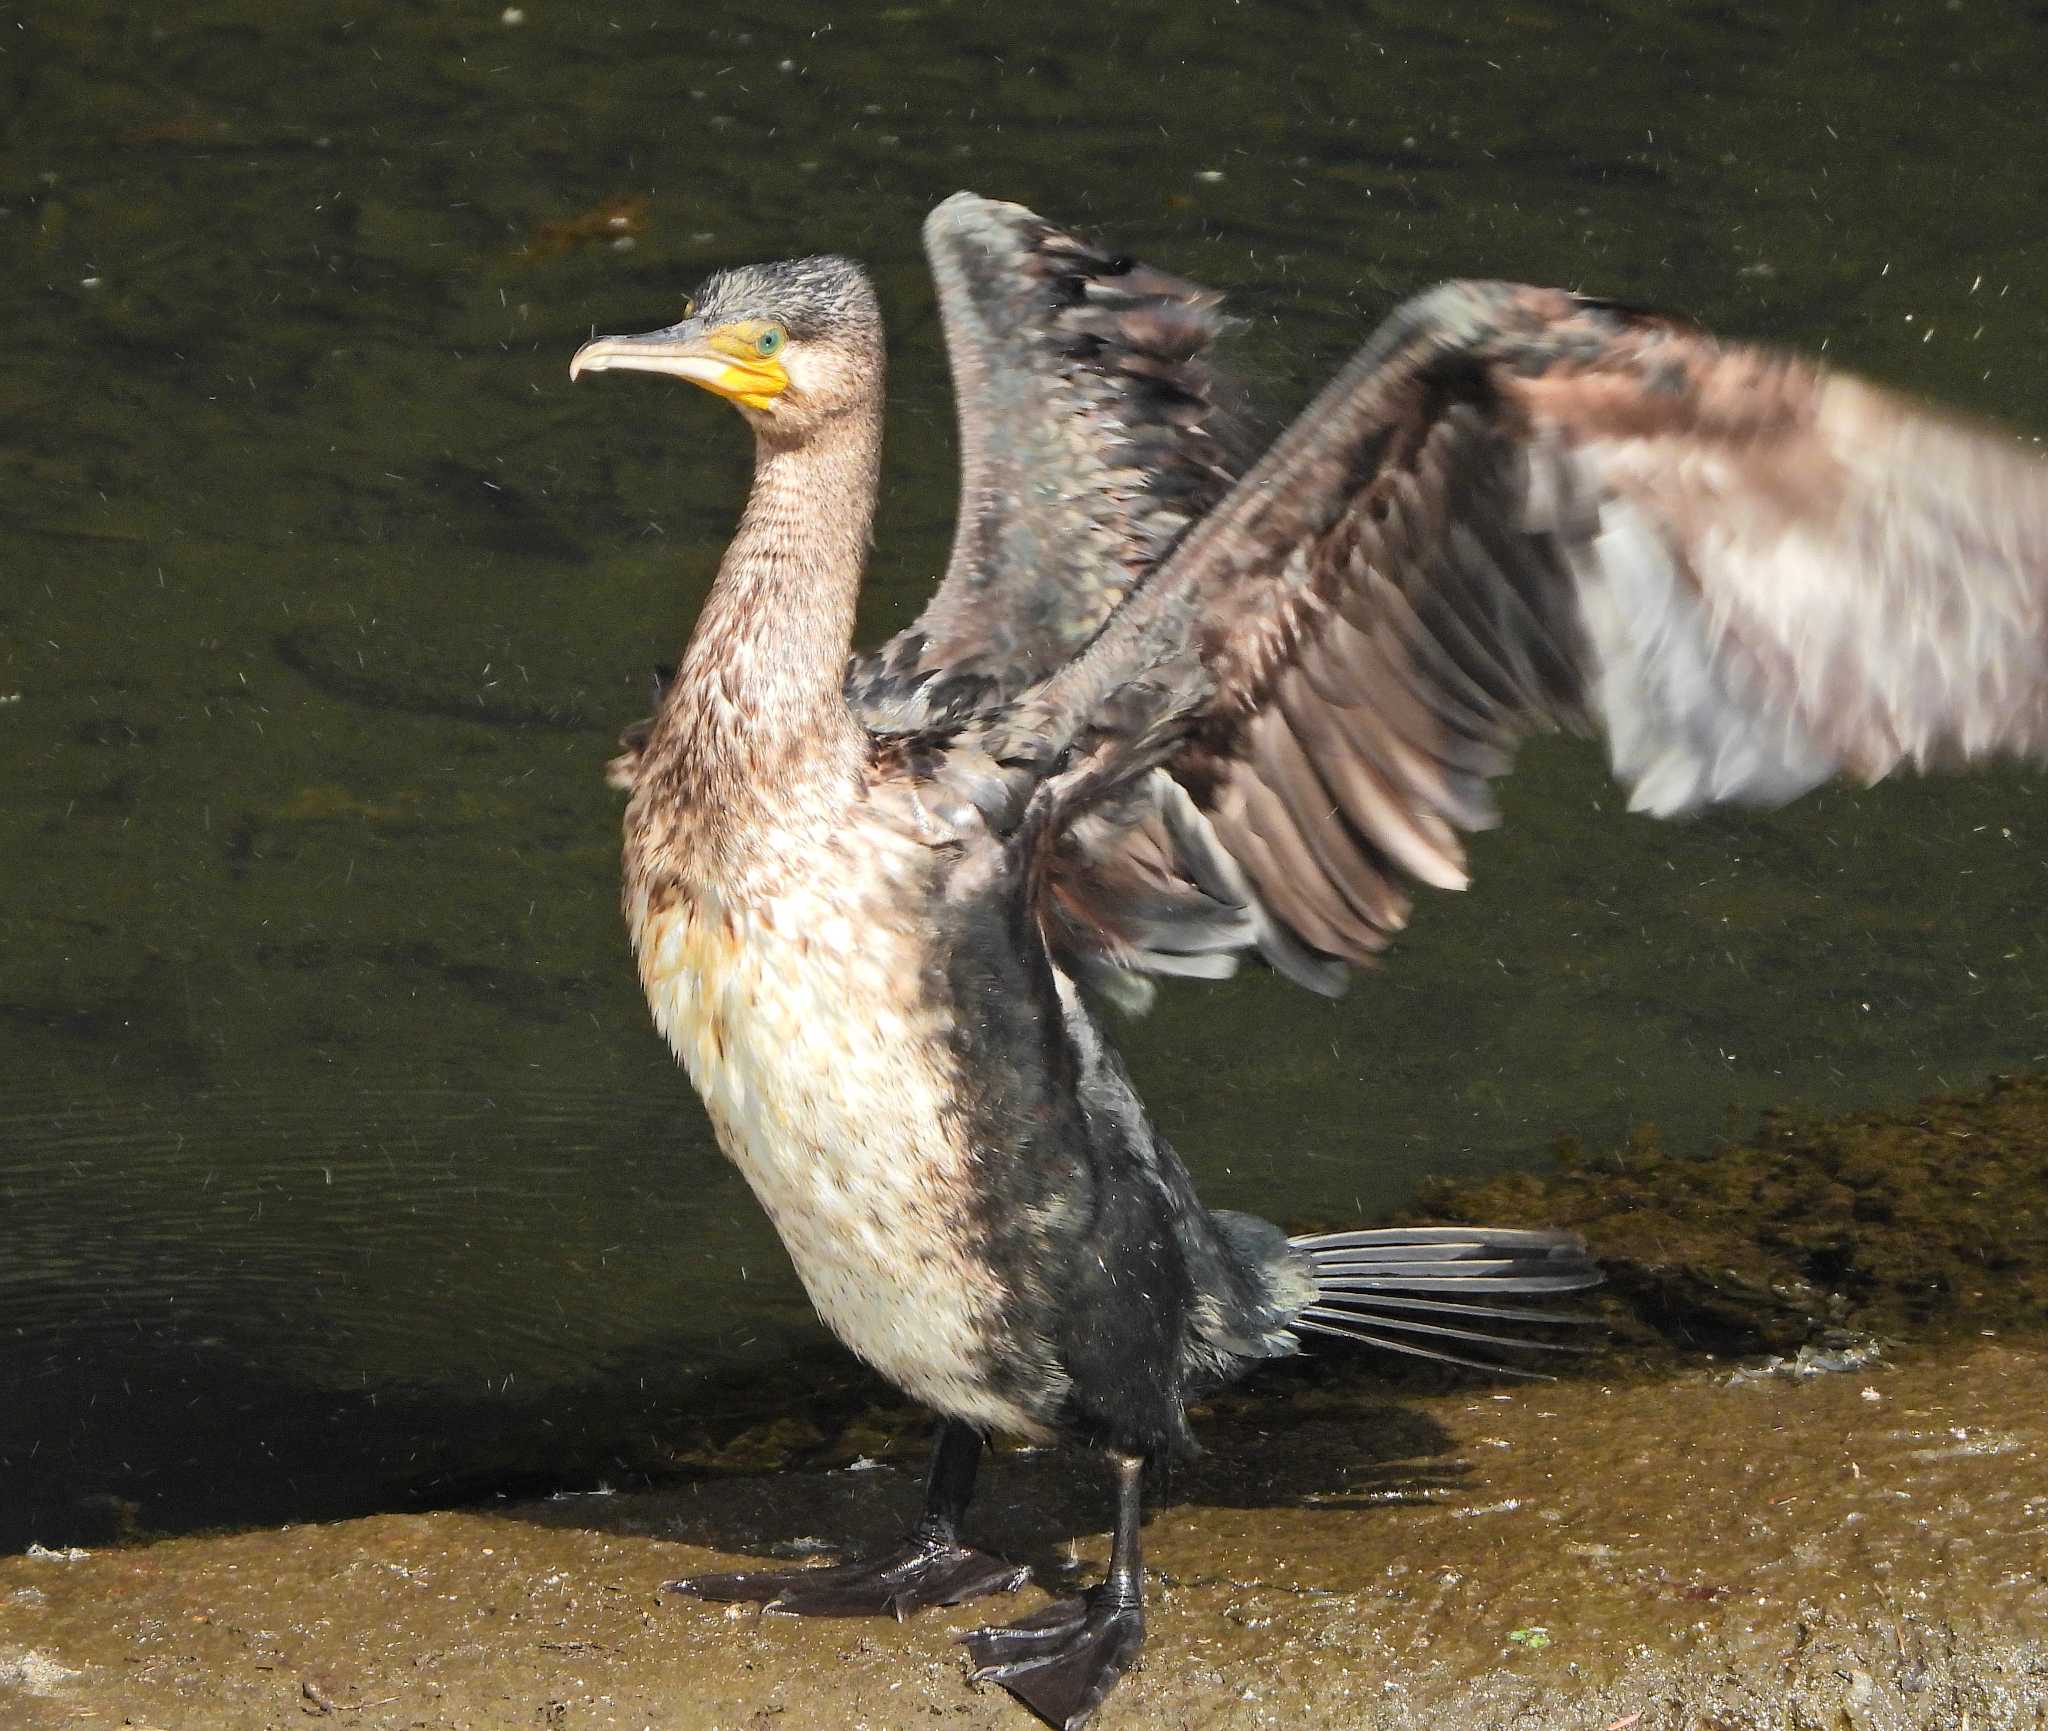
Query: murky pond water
[(338, 1162)]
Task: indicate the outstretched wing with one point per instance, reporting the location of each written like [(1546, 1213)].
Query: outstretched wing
[(1091, 437), (1518, 509)]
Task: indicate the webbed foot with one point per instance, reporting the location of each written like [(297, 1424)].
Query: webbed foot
[(1061, 1661), (918, 1573)]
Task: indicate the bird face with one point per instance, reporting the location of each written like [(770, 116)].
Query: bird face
[(789, 344)]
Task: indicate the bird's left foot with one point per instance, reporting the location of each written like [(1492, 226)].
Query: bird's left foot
[(921, 1572), (1061, 1661)]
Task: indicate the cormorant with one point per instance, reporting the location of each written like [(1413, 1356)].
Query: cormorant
[(1167, 707)]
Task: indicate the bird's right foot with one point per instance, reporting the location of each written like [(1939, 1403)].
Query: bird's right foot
[(918, 1573), (1061, 1661)]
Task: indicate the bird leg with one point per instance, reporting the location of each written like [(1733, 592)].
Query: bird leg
[(930, 1567), (1062, 1661)]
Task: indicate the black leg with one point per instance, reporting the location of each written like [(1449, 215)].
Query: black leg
[(930, 1567), (949, 1482), (1062, 1661)]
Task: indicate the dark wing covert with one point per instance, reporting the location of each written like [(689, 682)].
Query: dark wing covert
[(1091, 437)]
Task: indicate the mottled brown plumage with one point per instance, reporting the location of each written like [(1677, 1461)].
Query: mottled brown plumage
[(1157, 716)]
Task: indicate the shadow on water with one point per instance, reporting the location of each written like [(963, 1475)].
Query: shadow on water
[(337, 1164), (170, 1432)]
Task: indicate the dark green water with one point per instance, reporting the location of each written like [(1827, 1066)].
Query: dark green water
[(339, 1165)]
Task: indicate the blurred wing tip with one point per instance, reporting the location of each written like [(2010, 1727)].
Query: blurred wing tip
[(969, 215)]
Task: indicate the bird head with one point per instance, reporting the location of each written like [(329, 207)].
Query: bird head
[(790, 344)]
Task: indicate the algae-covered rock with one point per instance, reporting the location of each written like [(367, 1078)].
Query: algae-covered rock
[(1930, 1221)]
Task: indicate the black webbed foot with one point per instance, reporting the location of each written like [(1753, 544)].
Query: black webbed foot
[(918, 1573), (931, 1567), (1061, 1661)]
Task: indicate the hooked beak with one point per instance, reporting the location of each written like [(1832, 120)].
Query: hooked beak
[(723, 363)]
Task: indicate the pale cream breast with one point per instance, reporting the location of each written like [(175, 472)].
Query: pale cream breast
[(795, 1001)]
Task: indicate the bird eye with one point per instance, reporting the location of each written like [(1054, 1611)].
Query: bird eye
[(770, 341)]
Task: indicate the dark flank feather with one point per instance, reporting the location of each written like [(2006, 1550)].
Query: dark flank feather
[(621, 771)]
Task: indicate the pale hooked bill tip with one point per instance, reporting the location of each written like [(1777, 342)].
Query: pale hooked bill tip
[(639, 355)]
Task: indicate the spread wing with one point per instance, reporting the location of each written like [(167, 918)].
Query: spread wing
[(1514, 510), (1091, 437)]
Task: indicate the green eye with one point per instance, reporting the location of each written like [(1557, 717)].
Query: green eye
[(770, 341)]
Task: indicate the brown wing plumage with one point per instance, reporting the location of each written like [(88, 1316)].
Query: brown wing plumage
[(1091, 437), (1517, 509)]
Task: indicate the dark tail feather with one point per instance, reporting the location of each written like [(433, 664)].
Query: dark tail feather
[(1376, 1287)]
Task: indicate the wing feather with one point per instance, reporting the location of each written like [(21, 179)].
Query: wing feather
[(1093, 432), (1517, 509)]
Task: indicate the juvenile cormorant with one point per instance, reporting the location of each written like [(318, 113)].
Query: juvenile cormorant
[(1157, 715)]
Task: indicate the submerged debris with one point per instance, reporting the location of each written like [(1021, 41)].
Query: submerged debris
[(616, 223), (1858, 1353)]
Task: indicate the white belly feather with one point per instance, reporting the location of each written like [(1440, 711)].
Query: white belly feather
[(800, 1023)]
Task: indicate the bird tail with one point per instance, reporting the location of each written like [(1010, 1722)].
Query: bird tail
[(1435, 1291)]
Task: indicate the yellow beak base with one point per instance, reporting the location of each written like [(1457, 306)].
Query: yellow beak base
[(721, 361)]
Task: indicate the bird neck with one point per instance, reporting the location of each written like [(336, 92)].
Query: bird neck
[(758, 709)]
